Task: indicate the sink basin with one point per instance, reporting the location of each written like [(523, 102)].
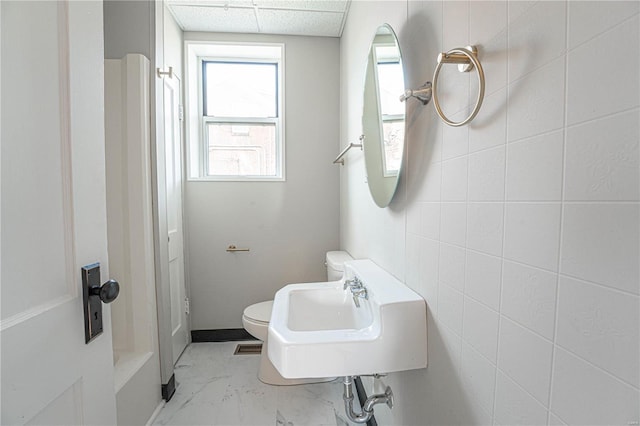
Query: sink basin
[(325, 306), (316, 330)]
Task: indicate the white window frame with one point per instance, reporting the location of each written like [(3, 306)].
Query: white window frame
[(197, 52)]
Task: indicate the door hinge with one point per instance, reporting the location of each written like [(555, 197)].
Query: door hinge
[(161, 73), (181, 112), (186, 305)]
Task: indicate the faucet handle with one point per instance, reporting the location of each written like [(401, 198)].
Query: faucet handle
[(353, 283), (347, 283)]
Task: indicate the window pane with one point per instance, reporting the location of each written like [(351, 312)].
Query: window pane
[(245, 149), (240, 89), (391, 83), (393, 142)]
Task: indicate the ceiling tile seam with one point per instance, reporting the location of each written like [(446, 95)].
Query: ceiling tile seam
[(175, 17), (214, 6), (257, 16), (344, 19)]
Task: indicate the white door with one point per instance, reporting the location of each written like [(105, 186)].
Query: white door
[(53, 213), (173, 158)]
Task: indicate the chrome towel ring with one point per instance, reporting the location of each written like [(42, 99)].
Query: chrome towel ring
[(467, 59)]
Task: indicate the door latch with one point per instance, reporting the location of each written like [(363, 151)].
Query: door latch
[(93, 295)]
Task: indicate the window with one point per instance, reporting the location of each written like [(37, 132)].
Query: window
[(238, 133)]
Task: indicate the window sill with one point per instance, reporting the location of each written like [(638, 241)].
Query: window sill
[(235, 179)]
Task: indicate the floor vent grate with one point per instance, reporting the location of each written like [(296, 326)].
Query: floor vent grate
[(248, 349)]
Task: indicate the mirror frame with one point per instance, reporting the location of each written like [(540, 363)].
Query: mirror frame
[(382, 185)]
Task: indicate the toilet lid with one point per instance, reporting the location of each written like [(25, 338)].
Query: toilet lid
[(259, 311)]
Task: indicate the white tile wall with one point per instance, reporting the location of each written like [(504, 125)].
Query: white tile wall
[(452, 263), (454, 179), (530, 48), (493, 47), (485, 227), (457, 142), (529, 297), (534, 169), (478, 375), (480, 328), (526, 358), (600, 243), (483, 278), (453, 223), (514, 406), (532, 234), (584, 394), (591, 18), (536, 102), (601, 168), (431, 220), (613, 81), (488, 129), (486, 175), (601, 326), (530, 215), (450, 302)]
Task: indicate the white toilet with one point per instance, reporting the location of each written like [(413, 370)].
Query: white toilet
[(255, 320)]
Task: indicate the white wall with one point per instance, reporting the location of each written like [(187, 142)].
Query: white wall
[(130, 28), (521, 229), (287, 225), (173, 44)]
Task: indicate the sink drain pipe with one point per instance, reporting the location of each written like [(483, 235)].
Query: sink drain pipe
[(366, 411)]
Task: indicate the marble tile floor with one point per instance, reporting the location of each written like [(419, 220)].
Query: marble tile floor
[(215, 387)]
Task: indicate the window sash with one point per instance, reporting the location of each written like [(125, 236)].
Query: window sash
[(204, 90), (279, 147)]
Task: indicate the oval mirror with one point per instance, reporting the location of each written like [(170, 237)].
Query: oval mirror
[(383, 116)]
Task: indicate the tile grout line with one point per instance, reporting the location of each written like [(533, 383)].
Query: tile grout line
[(466, 200), (441, 142), (504, 219), (554, 346)]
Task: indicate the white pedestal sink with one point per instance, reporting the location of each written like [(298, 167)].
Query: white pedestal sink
[(316, 329)]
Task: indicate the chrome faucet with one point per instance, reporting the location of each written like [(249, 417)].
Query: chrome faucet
[(358, 290)]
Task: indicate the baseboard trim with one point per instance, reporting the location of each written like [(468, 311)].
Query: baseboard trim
[(169, 388), (155, 413), (362, 396), (221, 335)]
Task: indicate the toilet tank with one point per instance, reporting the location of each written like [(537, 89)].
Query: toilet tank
[(335, 264)]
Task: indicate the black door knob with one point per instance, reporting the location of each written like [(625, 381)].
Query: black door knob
[(107, 292)]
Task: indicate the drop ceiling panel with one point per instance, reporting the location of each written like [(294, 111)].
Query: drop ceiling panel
[(319, 5), (219, 3), (295, 22), (215, 19), (293, 17)]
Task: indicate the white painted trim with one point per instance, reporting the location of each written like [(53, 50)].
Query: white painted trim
[(127, 366), (156, 412), (194, 52), (65, 149), (26, 315)]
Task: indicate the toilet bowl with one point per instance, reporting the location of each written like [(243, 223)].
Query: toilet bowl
[(255, 320)]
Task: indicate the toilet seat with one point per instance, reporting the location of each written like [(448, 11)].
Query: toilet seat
[(259, 312), (256, 317)]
